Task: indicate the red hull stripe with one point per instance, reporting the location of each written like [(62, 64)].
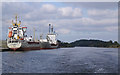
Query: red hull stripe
[(24, 27), (31, 48), (14, 48)]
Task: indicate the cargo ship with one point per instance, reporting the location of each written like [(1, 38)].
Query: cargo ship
[(18, 40)]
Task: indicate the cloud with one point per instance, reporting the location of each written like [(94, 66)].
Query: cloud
[(60, 0), (66, 18), (87, 22), (106, 13), (48, 8), (112, 28), (45, 12), (70, 12), (15, 7), (93, 5), (103, 22), (63, 31), (77, 12), (67, 11), (49, 11)]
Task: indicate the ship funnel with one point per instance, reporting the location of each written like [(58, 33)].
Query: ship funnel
[(13, 23), (52, 29), (19, 23), (49, 28)]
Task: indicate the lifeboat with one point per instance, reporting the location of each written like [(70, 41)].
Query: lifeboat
[(10, 34)]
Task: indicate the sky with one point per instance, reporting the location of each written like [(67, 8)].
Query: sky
[(71, 20)]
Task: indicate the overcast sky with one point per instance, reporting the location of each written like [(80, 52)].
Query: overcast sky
[(71, 20)]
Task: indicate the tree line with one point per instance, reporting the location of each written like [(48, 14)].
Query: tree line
[(90, 43)]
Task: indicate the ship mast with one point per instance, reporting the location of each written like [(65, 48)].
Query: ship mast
[(16, 19), (34, 33)]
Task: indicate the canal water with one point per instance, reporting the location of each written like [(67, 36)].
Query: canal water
[(62, 60)]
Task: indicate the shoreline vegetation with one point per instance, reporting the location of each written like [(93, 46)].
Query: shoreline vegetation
[(90, 43), (80, 43)]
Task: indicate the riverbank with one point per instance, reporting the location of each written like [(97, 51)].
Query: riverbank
[(3, 44), (90, 43)]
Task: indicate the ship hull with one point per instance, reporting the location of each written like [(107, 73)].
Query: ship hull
[(33, 48), (13, 46), (25, 46)]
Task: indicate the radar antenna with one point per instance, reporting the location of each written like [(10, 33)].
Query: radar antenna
[(16, 17)]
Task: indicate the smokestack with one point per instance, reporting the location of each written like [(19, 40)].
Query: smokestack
[(52, 29), (49, 28)]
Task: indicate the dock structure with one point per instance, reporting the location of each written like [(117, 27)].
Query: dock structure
[(3, 46), (4, 49)]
